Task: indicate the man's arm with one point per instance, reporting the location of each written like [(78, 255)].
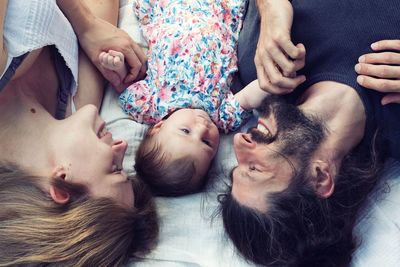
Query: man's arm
[(3, 50), (277, 59), (96, 35)]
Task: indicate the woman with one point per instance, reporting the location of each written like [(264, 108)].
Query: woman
[(65, 200)]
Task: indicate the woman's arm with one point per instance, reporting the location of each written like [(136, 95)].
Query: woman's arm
[(90, 81), (380, 71), (3, 50), (97, 35)]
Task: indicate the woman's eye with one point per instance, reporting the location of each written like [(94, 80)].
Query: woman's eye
[(186, 131), (253, 168), (115, 169)]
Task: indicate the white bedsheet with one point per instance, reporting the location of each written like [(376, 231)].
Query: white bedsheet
[(189, 237)]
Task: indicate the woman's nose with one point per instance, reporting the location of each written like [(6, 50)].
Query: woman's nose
[(119, 148)]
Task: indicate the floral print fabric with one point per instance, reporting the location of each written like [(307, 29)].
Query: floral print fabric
[(191, 60)]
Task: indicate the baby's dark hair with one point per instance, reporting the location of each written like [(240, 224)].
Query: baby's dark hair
[(167, 178)]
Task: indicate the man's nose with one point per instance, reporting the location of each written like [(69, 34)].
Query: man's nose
[(244, 147), (119, 148), (244, 141)]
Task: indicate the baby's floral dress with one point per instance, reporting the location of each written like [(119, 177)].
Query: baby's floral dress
[(191, 60)]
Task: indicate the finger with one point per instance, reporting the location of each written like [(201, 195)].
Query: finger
[(143, 59), (110, 60), (265, 83), (135, 65), (276, 90), (281, 60), (386, 45), (277, 79), (142, 72), (262, 76), (300, 61), (380, 71), (102, 60), (290, 82), (117, 61), (289, 48), (380, 58), (117, 54), (111, 76), (391, 98), (380, 85)]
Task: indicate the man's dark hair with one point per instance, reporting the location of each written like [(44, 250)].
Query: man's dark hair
[(168, 178), (300, 228)]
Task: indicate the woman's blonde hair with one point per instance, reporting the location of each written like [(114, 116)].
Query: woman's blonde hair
[(87, 231)]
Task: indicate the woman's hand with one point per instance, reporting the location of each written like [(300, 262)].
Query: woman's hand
[(103, 36), (277, 58), (97, 35), (380, 71)]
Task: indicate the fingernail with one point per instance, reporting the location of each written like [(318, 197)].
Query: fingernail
[(360, 79), (357, 68), (361, 59), (374, 46), (384, 101)]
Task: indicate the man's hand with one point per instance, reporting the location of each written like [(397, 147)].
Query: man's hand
[(380, 71), (277, 58)]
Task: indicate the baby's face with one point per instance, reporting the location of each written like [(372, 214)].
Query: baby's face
[(189, 132)]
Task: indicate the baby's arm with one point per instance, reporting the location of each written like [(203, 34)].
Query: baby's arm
[(114, 60), (251, 96)]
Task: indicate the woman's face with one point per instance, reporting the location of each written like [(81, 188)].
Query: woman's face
[(88, 155)]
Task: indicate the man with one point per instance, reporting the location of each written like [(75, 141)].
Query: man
[(306, 168)]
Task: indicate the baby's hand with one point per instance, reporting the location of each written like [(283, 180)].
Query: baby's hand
[(114, 60), (251, 96)]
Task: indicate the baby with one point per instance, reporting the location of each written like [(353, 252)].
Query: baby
[(186, 95)]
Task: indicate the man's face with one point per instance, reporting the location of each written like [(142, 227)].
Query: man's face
[(270, 154)]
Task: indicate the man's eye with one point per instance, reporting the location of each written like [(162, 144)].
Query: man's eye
[(186, 131), (205, 141)]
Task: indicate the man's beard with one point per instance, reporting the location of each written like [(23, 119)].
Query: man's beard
[(298, 136)]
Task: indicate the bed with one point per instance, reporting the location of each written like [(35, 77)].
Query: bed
[(190, 234)]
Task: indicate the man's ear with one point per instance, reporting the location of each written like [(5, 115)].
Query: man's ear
[(59, 196), (323, 181), (156, 127)]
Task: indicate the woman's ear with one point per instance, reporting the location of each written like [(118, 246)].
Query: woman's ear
[(59, 196), (323, 181)]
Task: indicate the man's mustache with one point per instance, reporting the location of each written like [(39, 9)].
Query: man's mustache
[(260, 137)]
